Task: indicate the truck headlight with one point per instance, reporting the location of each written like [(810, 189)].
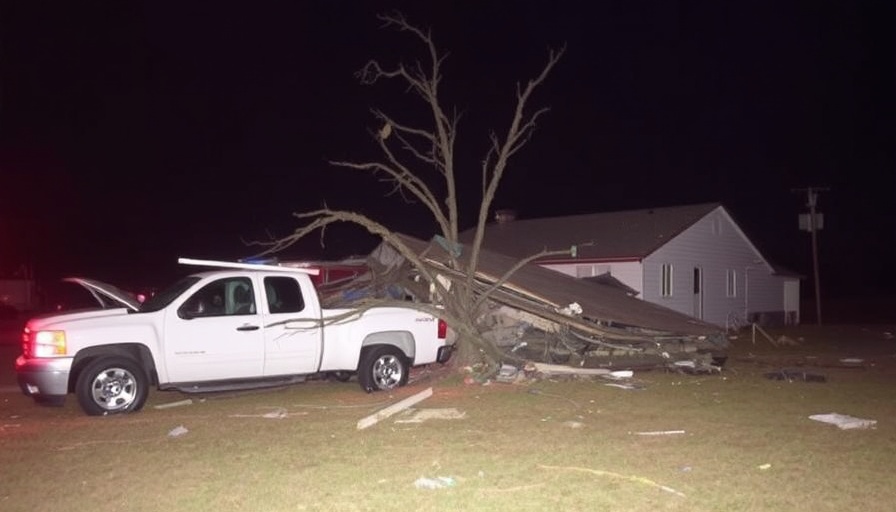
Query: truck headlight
[(48, 343)]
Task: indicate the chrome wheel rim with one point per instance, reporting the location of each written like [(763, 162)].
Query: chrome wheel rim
[(387, 372), (114, 389)]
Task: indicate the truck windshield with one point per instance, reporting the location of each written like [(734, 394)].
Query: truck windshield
[(166, 296)]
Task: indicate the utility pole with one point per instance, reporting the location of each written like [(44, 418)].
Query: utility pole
[(813, 222)]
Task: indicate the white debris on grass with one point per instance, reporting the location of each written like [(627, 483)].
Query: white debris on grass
[(276, 414), (624, 385), (382, 414), (439, 482), (843, 421), (659, 433), (178, 431)]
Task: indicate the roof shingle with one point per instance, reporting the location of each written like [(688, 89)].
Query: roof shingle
[(632, 234)]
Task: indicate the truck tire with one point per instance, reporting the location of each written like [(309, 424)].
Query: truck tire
[(382, 367), (112, 385)]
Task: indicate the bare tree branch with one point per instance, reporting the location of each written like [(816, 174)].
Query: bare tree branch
[(519, 126), (320, 219), (408, 181), (401, 132), (409, 155)]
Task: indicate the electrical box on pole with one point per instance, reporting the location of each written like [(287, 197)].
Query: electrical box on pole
[(813, 222), (806, 222)]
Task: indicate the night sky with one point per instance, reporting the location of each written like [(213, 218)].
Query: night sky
[(132, 133)]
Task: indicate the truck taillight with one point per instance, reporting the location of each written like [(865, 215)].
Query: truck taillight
[(26, 342), (43, 343), (443, 329)]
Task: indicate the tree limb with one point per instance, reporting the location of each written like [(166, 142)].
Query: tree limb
[(405, 149)]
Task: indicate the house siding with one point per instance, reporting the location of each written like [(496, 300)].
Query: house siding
[(791, 301), (629, 273), (716, 246)]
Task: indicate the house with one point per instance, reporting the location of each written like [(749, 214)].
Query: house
[(693, 259)]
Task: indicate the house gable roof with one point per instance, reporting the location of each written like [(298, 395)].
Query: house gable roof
[(629, 234)]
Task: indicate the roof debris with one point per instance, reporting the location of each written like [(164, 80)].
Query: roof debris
[(547, 317)]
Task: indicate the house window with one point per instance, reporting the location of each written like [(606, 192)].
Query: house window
[(666, 281), (731, 283), (584, 271)]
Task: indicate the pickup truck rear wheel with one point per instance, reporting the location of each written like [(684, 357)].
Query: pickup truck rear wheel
[(112, 385), (382, 367)]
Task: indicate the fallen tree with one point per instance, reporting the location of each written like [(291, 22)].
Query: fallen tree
[(417, 161)]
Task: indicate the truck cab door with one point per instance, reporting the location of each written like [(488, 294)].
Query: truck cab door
[(292, 334), (216, 333)]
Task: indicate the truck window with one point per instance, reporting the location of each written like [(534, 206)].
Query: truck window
[(230, 296), (284, 295)]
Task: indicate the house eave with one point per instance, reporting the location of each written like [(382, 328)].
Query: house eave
[(567, 261)]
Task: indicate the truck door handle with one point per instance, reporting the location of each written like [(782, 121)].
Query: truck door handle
[(248, 328)]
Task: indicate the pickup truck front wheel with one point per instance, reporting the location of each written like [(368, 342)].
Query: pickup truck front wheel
[(112, 385), (382, 367)]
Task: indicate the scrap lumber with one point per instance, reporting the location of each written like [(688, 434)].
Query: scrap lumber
[(756, 327), (394, 408), (179, 403), (556, 369)]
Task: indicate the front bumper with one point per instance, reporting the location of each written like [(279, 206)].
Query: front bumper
[(43, 377), (444, 353)]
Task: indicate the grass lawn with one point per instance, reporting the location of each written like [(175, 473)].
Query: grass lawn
[(747, 442)]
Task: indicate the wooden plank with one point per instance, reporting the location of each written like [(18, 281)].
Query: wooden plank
[(555, 369), (394, 408), (188, 401)]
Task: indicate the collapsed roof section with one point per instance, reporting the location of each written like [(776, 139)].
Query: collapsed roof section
[(604, 310)]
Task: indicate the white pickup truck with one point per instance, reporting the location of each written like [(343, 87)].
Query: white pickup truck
[(235, 328)]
